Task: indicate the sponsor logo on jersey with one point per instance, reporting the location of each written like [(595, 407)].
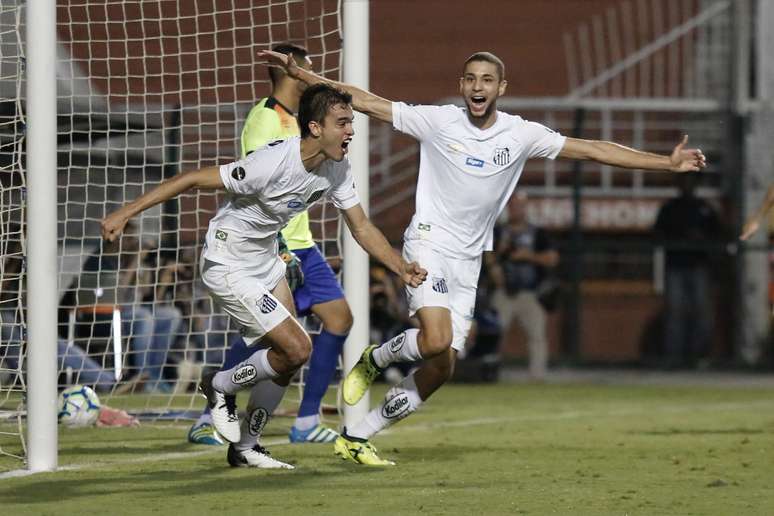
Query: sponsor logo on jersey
[(315, 196), (275, 142), (396, 407), (295, 204), (397, 342), (474, 162), (257, 421), (439, 285), (238, 173), (502, 156), (244, 374), (423, 227), (221, 235), (267, 304)]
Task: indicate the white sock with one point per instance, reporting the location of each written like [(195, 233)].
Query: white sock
[(307, 422), (245, 374), (401, 348), (264, 399), (399, 402)]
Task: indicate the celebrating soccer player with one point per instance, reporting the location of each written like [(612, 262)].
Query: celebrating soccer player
[(315, 290), (471, 160), (240, 265)]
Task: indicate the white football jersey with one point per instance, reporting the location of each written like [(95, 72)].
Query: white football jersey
[(467, 175), (268, 188)]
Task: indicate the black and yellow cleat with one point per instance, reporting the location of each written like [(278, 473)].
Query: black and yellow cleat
[(359, 452), (360, 378)]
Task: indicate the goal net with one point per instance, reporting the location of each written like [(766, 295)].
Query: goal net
[(146, 89)]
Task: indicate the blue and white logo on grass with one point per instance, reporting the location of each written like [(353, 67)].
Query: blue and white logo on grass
[(267, 304), (78, 406)]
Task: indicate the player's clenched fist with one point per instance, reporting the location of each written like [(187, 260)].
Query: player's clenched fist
[(413, 274), (112, 226)]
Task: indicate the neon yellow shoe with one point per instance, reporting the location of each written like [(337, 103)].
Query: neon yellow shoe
[(360, 378), (359, 452)]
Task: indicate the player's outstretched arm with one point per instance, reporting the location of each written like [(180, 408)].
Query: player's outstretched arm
[(203, 179), (374, 243), (752, 224), (362, 100), (609, 153)]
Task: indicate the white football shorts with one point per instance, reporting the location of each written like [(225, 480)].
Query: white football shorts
[(451, 283), (245, 294)]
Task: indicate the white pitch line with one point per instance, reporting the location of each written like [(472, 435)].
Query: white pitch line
[(422, 428)]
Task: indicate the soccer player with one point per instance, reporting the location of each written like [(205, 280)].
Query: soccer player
[(241, 268), (470, 162), (273, 118), (752, 224)]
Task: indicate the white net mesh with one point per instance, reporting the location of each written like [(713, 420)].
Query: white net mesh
[(12, 182), (145, 90)]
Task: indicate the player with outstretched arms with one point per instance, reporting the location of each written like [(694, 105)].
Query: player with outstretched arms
[(240, 265), (470, 162), (312, 281)]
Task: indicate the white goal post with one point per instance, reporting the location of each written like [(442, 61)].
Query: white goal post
[(131, 137)]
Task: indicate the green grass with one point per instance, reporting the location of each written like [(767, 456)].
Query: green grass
[(478, 450)]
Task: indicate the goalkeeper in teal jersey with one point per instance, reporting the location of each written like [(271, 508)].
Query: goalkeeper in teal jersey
[(314, 284)]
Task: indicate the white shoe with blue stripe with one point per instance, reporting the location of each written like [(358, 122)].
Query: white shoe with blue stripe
[(317, 434)]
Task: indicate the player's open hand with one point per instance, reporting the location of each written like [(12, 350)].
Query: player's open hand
[(749, 228), (686, 160), (284, 61), (113, 225), (413, 274)]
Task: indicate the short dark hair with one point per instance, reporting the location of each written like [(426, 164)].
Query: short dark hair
[(315, 103), (295, 51), (489, 58)]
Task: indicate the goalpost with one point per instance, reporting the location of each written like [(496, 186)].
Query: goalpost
[(142, 90)]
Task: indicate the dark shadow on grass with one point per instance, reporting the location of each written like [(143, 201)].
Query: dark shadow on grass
[(699, 431), (105, 452)]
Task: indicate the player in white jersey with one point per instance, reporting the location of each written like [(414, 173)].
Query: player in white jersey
[(240, 265), (470, 162)]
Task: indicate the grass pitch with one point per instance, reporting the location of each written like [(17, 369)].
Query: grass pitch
[(473, 449)]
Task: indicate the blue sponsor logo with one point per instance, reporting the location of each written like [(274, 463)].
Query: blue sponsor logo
[(473, 162), (295, 204)]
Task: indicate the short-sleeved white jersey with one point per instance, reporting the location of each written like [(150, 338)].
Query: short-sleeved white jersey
[(467, 175), (268, 188)]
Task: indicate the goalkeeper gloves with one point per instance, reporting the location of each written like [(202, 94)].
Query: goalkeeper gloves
[(293, 273)]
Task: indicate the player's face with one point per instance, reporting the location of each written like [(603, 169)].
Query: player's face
[(480, 85), (336, 132)]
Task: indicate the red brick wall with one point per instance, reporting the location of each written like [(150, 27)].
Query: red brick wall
[(418, 47)]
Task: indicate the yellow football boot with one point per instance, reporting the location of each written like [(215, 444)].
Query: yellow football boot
[(360, 377), (359, 452)]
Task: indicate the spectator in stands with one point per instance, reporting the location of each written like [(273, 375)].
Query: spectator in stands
[(687, 224), (522, 258), (150, 328), (752, 224), (84, 370)]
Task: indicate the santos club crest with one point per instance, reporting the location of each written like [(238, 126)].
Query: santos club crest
[(502, 156)]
